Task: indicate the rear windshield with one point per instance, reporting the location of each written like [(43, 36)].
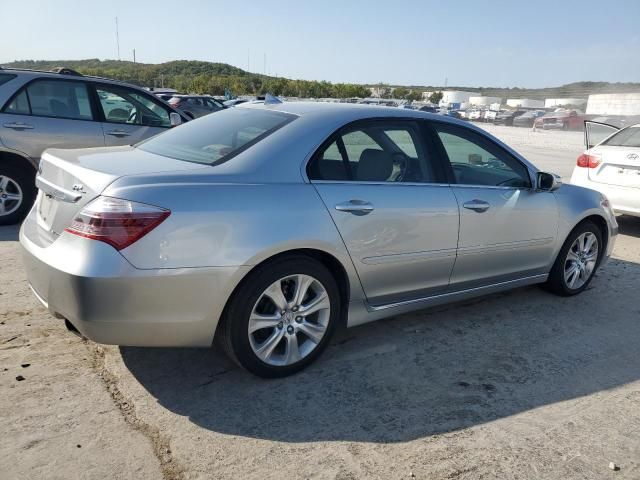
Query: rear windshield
[(628, 137), (217, 137)]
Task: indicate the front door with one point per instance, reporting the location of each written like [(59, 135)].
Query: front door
[(507, 228), (381, 186), (130, 116)]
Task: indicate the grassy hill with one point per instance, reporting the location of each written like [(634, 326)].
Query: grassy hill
[(214, 78)]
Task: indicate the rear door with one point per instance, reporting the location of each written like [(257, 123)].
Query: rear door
[(128, 115), (619, 157), (381, 183), (507, 228), (50, 113)]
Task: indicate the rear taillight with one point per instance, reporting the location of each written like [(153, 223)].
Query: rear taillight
[(116, 222), (588, 161)]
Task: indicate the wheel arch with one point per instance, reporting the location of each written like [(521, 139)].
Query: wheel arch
[(602, 224), (330, 261), (14, 158)]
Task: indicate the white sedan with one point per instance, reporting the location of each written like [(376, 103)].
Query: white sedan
[(611, 165)]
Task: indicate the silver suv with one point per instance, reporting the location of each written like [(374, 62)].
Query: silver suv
[(65, 109)]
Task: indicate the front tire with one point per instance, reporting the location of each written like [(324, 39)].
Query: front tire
[(17, 193), (577, 261), (281, 317)]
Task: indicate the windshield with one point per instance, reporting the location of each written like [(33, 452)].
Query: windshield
[(217, 137), (628, 137)]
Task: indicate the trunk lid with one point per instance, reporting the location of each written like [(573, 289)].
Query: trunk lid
[(69, 179), (618, 166)]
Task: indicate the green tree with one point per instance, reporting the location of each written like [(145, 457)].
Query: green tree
[(435, 97)]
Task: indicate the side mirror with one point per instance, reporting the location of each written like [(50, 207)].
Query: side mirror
[(547, 182), (175, 119)]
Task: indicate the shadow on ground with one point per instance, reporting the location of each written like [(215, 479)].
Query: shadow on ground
[(419, 374), (9, 233)]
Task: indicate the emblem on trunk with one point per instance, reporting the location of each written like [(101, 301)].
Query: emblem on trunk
[(632, 156), (78, 187)]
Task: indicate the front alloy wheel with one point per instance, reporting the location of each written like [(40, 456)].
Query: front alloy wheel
[(581, 260)]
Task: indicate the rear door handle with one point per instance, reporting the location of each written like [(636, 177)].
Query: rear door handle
[(118, 133), (18, 126), (356, 207), (476, 205)]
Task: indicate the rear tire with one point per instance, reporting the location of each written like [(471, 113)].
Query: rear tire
[(260, 338), (577, 261), (17, 193)]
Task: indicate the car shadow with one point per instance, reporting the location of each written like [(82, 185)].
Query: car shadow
[(420, 374), (9, 233)]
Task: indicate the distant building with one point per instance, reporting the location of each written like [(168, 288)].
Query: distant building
[(525, 103), (561, 102), (614, 104), (482, 101), (426, 95)]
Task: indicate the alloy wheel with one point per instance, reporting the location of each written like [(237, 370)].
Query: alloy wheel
[(289, 320), (581, 260), (10, 195)]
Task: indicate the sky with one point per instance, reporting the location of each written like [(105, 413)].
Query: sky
[(501, 43)]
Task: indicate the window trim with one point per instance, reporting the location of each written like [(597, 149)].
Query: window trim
[(102, 117), (426, 144), (25, 87), (446, 162)]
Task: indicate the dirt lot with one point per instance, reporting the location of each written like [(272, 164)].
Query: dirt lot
[(517, 385)]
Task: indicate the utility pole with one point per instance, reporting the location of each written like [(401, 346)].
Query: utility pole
[(264, 69), (117, 39), (134, 55), (248, 63)]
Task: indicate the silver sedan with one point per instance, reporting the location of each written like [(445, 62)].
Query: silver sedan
[(268, 226)]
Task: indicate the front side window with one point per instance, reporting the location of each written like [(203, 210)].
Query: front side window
[(477, 161), (121, 105), (374, 152), (214, 139), (60, 99)]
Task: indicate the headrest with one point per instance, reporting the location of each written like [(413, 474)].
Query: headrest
[(374, 166)]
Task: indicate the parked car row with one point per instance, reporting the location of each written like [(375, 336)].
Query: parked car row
[(63, 108)]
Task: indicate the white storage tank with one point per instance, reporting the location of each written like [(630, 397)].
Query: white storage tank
[(455, 97), (525, 103), (561, 102), (481, 101), (614, 104)]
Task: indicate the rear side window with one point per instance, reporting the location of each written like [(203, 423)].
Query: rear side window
[(628, 137), (62, 99), (376, 151), (19, 105), (214, 139)]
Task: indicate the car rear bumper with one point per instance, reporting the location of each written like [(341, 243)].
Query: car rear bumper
[(109, 301), (624, 200)]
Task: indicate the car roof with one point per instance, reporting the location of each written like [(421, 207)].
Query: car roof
[(346, 112), (62, 72)]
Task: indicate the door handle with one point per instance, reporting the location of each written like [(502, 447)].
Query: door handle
[(476, 205), (357, 207), (18, 126), (118, 133)]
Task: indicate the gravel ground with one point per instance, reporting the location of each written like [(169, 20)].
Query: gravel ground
[(515, 385)]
